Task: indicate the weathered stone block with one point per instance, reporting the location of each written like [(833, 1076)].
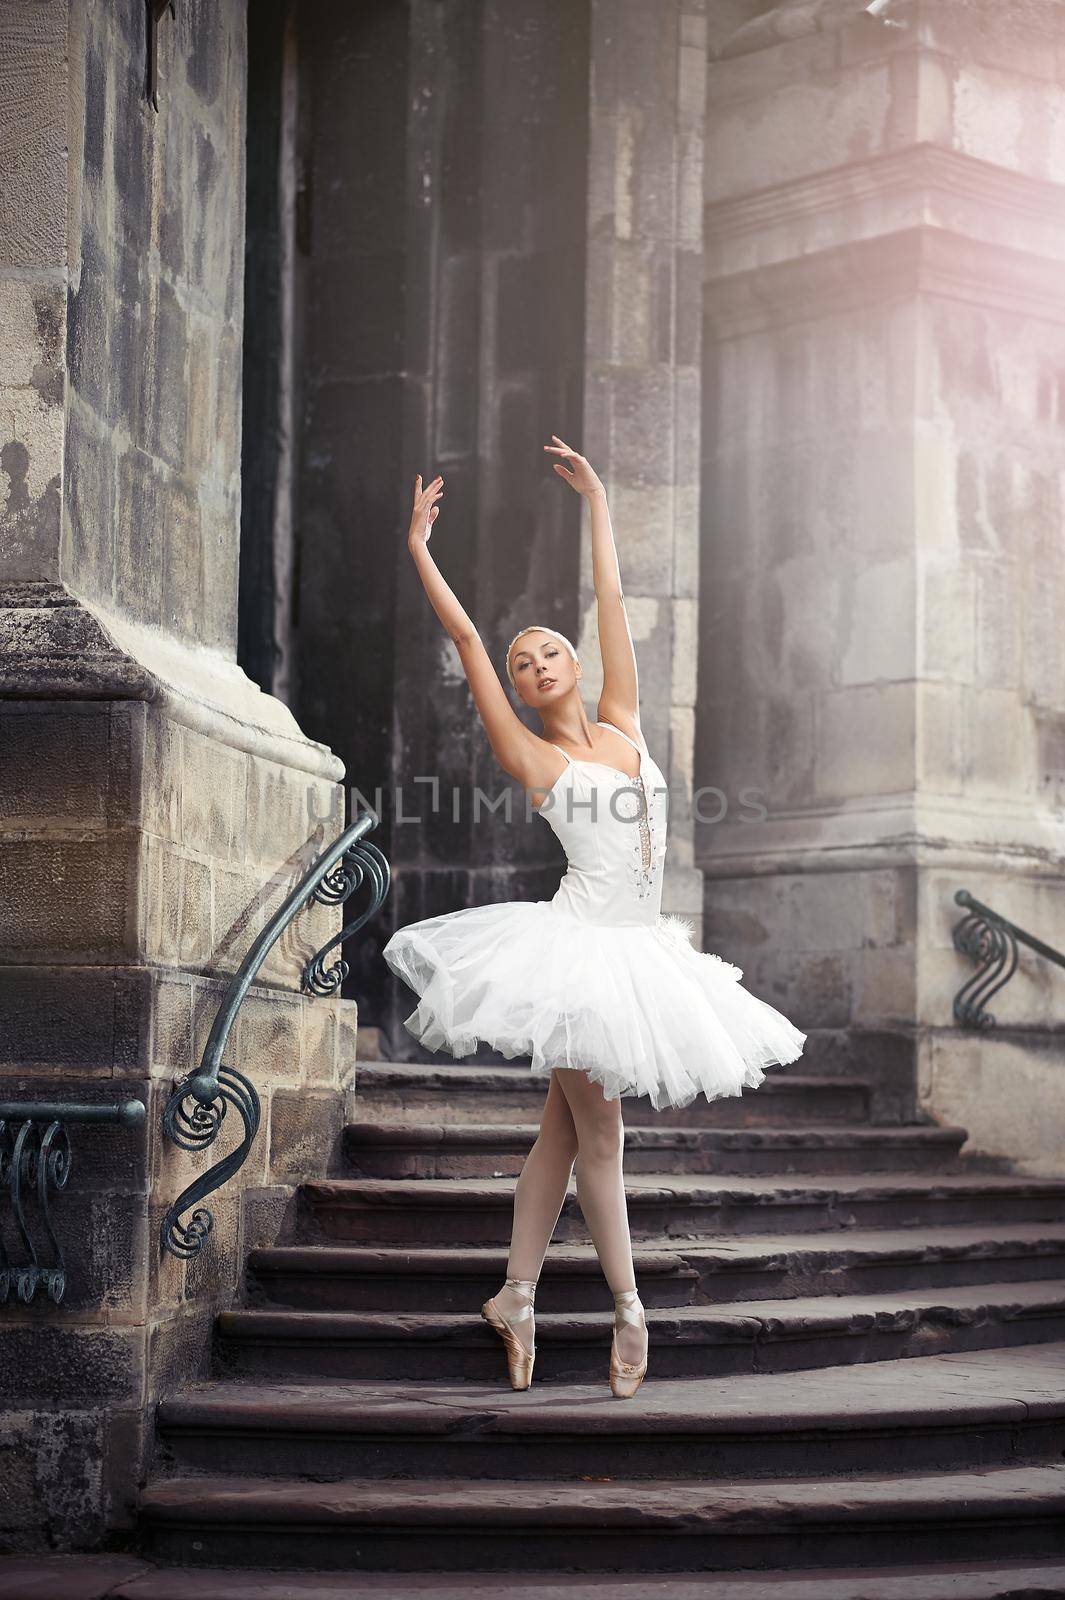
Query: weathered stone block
[(1044, 636), (285, 811), (211, 1274), (162, 884), (140, 531), (885, 986), (89, 326), (241, 909), (1001, 118), (270, 1216), (791, 747), (866, 741), (734, 731), (68, 1019), (51, 1468), (165, 1274), (320, 1041), (88, 491), (936, 493), (799, 126), (879, 616), (201, 437), (182, 557), (61, 1366), (68, 899), (998, 624), (161, 778), (1000, 745), (196, 943), (347, 1042), (939, 737), (32, 387), (1004, 1088), (64, 765), (178, 1346), (34, 153), (269, 1037), (305, 1135), (1050, 758), (172, 1035)]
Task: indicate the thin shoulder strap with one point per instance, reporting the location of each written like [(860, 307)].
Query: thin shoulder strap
[(566, 753), (624, 735)]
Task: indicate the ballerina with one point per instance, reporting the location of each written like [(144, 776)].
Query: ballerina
[(606, 995)]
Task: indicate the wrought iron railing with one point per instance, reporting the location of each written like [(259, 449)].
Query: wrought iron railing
[(991, 940), (35, 1162), (198, 1103)]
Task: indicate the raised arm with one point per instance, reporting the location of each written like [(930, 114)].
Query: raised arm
[(517, 749), (620, 700)]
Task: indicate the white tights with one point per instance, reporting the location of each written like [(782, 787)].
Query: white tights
[(578, 1123)]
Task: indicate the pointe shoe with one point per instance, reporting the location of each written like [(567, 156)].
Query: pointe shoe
[(626, 1376), (519, 1360)]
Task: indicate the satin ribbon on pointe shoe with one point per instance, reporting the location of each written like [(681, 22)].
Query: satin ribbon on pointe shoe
[(519, 1360), (626, 1376)]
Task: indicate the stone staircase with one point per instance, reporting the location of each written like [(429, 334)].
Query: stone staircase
[(857, 1357)]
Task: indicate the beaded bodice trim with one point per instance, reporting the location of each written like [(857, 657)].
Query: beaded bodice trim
[(646, 856)]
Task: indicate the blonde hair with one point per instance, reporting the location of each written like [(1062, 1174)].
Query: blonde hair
[(535, 627)]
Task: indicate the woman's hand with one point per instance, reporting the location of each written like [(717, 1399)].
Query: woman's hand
[(425, 510), (578, 474)]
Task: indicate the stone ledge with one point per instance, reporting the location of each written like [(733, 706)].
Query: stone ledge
[(843, 278), (93, 1577), (963, 1388), (928, 171), (55, 646), (783, 23), (794, 19), (523, 1508)]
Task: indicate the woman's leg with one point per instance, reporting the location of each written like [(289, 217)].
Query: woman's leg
[(601, 1191), (538, 1198)]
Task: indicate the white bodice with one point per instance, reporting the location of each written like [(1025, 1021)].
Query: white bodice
[(615, 843)]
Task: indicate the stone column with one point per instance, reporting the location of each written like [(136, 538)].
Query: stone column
[(882, 601), (464, 236), (643, 371), (530, 265), (155, 805)]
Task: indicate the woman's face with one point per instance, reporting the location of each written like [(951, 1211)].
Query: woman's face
[(543, 669)]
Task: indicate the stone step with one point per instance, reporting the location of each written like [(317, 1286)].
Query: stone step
[(933, 1413), (492, 1149), (669, 1272), (420, 1211), (390, 1091), (120, 1577), (750, 1336), (624, 1526), (362, 1278)]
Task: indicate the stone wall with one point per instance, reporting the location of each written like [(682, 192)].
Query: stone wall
[(155, 806), (644, 373), (525, 252), (442, 303), (881, 642), (139, 861)]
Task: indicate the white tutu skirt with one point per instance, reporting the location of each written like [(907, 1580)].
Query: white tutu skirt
[(637, 1008)]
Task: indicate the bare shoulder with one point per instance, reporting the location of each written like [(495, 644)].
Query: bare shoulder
[(536, 762)]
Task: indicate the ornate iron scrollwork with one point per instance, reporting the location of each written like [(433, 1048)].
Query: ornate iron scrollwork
[(361, 862), (198, 1103), (991, 940), (193, 1118), (35, 1163)]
